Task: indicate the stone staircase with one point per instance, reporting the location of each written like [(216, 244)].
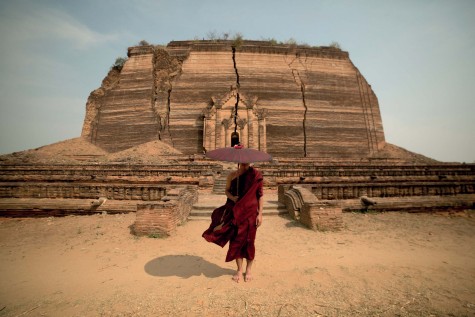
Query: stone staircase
[(208, 202), (220, 184)]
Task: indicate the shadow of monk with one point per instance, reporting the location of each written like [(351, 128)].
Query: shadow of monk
[(184, 266)]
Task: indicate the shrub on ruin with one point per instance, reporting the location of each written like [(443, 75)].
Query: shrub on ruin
[(119, 63), (212, 35), (237, 40)]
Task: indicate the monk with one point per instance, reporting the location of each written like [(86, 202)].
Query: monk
[(237, 221)]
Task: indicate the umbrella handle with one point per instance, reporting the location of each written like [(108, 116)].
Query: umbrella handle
[(237, 183)]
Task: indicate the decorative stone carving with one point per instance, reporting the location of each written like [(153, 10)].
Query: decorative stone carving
[(220, 121)]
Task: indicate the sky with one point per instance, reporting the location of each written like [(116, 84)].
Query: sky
[(418, 56)]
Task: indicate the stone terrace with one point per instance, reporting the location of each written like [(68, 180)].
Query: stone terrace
[(45, 190), (166, 193)]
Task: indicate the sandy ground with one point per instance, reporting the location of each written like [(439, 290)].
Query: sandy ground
[(388, 264)]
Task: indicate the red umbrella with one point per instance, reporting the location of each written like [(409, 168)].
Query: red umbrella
[(239, 154)]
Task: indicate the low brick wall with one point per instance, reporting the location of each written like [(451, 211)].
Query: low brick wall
[(161, 218), (303, 206), (322, 216), (63, 190)]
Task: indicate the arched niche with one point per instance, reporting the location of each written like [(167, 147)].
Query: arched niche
[(219, 123)]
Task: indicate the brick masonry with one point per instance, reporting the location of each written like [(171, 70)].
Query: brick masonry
[(161, 218)]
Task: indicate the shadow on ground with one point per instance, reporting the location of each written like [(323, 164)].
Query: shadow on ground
[(184, 266)]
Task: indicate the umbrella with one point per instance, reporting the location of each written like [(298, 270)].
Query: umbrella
[(239, 154)]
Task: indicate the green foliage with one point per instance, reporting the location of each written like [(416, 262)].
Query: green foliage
[(143, 43), (215, 36), (270, 40), (119, 63), (237, 40), (291, 42)]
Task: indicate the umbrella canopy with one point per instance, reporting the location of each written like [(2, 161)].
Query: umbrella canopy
[(238, 154)]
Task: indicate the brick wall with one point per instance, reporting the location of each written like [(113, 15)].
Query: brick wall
[(306, 208), (162, 217), (322, 216)]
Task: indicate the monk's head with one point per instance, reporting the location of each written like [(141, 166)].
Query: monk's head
[(243, 166)]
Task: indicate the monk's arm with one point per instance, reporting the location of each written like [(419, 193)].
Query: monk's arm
[(259, 214), (228, 187)]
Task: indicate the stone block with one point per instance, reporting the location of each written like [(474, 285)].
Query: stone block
[(322, 216), (159, 218), (162, 217), (302, 205)]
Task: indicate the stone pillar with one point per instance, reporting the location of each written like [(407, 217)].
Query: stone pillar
[(250, 129), (209, 130), (242, 125), (245, 137), (227, 134), (220, 131), (262, 135), (261, 117)]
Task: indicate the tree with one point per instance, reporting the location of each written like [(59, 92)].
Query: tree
[(237, 40), (119, 63)]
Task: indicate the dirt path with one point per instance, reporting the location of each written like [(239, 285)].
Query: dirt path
[(390, 264)]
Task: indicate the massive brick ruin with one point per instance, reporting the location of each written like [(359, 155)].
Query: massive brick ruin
[(292, 101), (146, 127)]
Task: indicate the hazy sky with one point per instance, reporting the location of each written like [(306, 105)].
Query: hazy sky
[(418, 56)]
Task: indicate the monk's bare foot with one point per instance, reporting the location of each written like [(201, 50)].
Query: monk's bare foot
[(237, 277), (248, 277)]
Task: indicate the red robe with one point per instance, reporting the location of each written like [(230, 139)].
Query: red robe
[(238, 225)]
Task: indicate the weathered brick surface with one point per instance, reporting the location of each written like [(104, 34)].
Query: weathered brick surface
[(156, 218), (411, 203), (293, 203), (294, 199), (342, 182), (135, 191), (294, 101), (162, 217), (314, 214), (123, 116), (36, 190), (322, 216)]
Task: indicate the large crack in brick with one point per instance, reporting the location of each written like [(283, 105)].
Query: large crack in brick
[(165, 69), (237, 89), (302, 89), (300, 83)]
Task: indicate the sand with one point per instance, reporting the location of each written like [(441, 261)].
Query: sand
[(382, 264), (80, 151)]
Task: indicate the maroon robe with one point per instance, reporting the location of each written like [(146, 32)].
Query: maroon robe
[(236, 222)]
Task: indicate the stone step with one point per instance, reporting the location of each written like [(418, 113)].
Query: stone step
[(220, 184), (206, 215), (208, 202)]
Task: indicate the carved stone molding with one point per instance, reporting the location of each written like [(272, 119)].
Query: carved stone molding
[(219, 118)]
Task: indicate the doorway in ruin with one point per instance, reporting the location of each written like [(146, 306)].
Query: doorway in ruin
[(219, 119)]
